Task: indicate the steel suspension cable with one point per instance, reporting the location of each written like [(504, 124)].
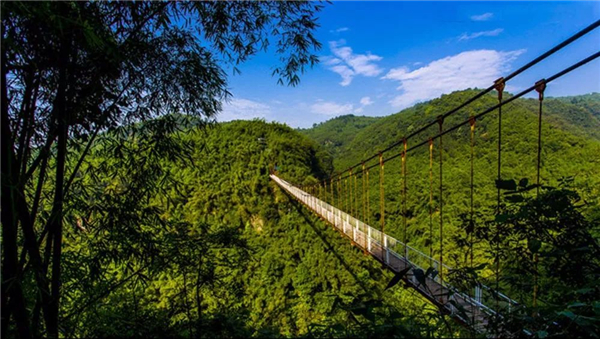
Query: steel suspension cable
[(340, 205), (441, 125), (349, 185), (404, 201), (381, 194), (356, 210), (471, 214), (320, 193), (332, 195), (368, 200), (364, 198), (430, 202), (348, 195), (345, 185), (499, 85), (472, 209), (540, 86), (353, 197)]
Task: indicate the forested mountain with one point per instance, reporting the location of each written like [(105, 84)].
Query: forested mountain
[(216, 248), (590, 104), (345, 135), (337, 133)]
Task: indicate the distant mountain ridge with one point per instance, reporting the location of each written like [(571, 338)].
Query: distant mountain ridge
[(577, 115), (335, 133)]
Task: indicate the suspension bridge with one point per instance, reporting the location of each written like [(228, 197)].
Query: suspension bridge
[(476, 306)]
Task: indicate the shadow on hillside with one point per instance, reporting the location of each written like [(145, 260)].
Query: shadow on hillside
[(310, 220)]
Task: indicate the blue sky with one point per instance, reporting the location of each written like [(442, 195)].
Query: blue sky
[(381, 57)]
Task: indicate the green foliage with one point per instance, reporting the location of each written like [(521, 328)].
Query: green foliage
[(336, 134), (550, 256)]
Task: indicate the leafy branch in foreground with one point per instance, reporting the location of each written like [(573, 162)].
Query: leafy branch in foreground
[(74, 72)]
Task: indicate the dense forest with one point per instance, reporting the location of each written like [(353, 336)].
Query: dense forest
[(127, 211)]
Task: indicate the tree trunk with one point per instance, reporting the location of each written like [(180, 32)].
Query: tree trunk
[(56, 216), (13, 301)]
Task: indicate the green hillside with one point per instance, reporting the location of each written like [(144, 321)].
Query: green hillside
[(225, 240), (335, 134)]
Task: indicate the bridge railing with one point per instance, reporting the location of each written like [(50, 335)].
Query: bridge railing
[(398, 255)]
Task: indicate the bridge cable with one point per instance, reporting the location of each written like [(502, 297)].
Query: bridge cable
[(343, 196), (329, 192), (471, 214), (430, 202), (499, 85), (441, 126), (404, 198), (364, 198), (339, 186), (349, 186), (341, 193), (320, 192), (356, 209), (540, 86), (368, 199), (354, 193), (348, 194), (344, 193), (381, 194), (535, 61), (351, 191)]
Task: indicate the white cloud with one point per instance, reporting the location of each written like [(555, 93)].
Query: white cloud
[(339, 30), (494, 32), (345, 72), (243, 109), (348, 65), (331, 108), (334, 108), (366, 101), (478, 68), (482, 17)]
